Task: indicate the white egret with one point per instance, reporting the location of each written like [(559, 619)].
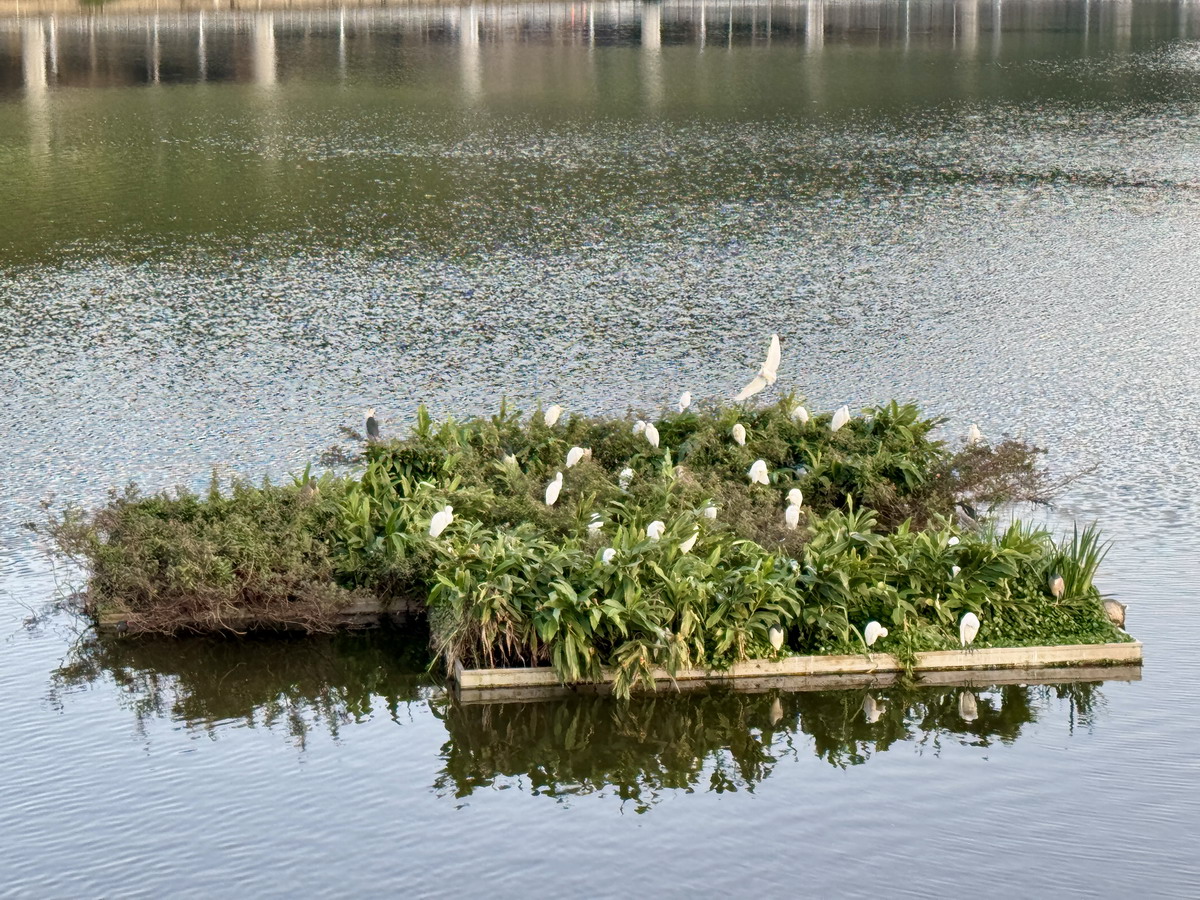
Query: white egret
[(766, 375), (840, 418), (974, 435), (795, 497), (595, 524), (686, 546), (873, 632), (758, 472), (574, 455), (954, 570), (441, 519), (553, 489), (372, 425), (608, 556), (509, 459), (639, 427), (685, 400), (953, 542), (791, 517), (625, 477), (1115, 612), (710, 512), (655, 529), (968, 706), (551, 415), (800, 414), (1058, 587), (775, 635), (652, 434), (739, 434), (872, 710), (968, 628)]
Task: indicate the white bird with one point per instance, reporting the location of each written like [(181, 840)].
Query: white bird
[(953, 542), (758, 472), (509, 459), (685, 400), (655, 529), (766, 375), (1058, 587), (652, 434), (968, 706), (872, 710), (954, 570), (800, 414), (372, 425), (968, 628), (625, 477), (639, 427), (974, 435), (873, 632), (552, 414), (574, 455), (686, 546), (840, 418), (776, 712), (608, 556), (553, 489), (791, 517), (795, 497), (775, 635), (710, 512), (595, 524), (739, 434), (441, 519)]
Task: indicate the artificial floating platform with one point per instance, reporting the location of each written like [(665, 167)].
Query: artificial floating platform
[(831, 671)]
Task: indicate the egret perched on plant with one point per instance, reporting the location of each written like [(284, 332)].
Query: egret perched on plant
[(791, 517), (954, 570), (739, 434), (710, 512), (953, 542), (1058, 587), (840, 418), (685, 400), (974, 435), (758, 472), (574, 455), (795, 497), (800, 414), (553, 489), (372, 425), (873, 632), (652, 434), (608, 556), (775, 635), (968, 706), (655, 529), (595, 524), (968, 628), (624, 478), (441, 519), (509, 459), (551, 415), (686, 546), (766, 375), (639, 427), (872, 710)]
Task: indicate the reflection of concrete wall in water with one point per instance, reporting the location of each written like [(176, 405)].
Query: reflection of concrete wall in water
[(966, 32), (814, 24), (472, 65), (652, 79), (264, 50), (33, 58)]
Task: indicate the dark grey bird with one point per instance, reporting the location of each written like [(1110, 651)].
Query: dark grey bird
[(122, 627), (372, 425), (967, 516)]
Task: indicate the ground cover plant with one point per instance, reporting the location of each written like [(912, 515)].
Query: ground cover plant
[(588, 543)]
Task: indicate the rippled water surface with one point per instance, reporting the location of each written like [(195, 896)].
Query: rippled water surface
[(223, 234)]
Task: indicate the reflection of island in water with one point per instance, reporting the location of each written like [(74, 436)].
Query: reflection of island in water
[(580, 743)]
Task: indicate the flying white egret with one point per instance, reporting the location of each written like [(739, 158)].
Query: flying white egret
[(595, 524), (685, 400), (800, 414), (608, 556), (872, 710), (655, 529), (710, 512), (974, 435), (775, 634), (686, 546), (442, 518), (766, 375), (968, 628), (968, 706), (652, 434), (953, 542), (372, 425), (1058, 587), (739, 434), (625, 477), (758, 472), (873, 632), (954, 570), (791, 517), (840, 418), (795, 497), (551, 415), (574, 455), (639, 427), (553, 489)]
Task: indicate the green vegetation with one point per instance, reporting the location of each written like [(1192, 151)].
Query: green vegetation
[(583, 584)]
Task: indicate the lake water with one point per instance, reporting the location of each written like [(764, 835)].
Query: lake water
[(222, 235)]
